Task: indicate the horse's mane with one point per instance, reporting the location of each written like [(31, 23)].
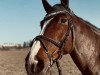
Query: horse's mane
[(93, 27)]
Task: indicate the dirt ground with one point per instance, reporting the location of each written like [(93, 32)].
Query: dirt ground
[(12, 63)]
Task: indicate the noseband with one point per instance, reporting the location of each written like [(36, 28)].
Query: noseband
[(60, 45)]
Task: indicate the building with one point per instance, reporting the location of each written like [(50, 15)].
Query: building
[(10, 45)]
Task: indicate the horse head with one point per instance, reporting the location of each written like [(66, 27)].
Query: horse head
[(55, 39)]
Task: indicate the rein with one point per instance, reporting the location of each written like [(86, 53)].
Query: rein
[(60, 45)]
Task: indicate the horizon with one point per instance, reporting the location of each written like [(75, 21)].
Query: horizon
[(20, 19)]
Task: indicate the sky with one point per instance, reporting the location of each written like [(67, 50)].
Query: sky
[(20, 19)]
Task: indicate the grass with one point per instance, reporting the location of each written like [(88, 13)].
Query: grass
[(12, 63)]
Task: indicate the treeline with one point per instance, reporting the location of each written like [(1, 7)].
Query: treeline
[(27, 43)]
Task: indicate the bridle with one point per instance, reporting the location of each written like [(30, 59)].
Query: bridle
[(60, 44)]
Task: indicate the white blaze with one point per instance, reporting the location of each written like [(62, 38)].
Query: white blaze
[(36, 46)]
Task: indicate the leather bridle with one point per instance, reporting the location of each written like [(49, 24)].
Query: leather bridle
[(60, 45)]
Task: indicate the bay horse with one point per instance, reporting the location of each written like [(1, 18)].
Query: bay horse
[(62, 32)]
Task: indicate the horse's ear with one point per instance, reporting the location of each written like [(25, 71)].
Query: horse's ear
[(65, 3), (47, 6)]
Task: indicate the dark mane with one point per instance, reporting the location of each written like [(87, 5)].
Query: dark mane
[(93, 27)]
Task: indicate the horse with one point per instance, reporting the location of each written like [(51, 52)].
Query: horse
[(63, 32)]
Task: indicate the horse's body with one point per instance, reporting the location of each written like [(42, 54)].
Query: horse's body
[(86, 54), (83, 42)]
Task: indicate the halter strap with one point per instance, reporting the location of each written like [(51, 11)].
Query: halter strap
[(56, 13)]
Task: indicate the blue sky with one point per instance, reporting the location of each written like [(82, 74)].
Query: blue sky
[(20, 19)]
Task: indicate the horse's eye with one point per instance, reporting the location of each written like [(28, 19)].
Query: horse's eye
[(63, 20)]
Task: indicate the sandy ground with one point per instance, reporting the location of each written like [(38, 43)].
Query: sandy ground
[(12, 63)]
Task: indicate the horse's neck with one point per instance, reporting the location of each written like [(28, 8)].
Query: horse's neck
[(86, 54)]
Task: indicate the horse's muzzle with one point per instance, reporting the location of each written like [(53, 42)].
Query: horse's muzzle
[(35, 67)]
